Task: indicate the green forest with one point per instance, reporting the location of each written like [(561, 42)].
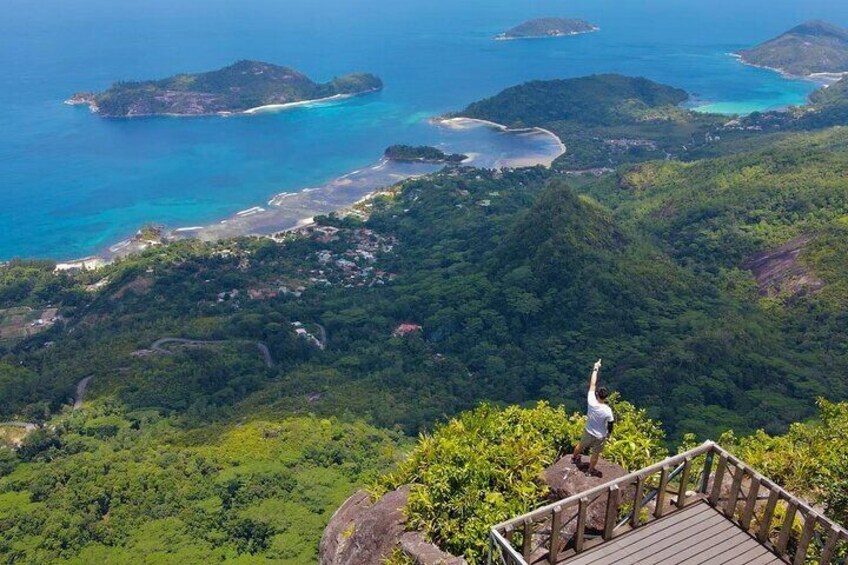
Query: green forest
[(466, 305)]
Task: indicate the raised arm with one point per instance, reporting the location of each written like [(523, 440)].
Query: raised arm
[(594, 379)]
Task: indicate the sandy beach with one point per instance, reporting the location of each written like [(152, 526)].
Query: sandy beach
[(278, 107), (528, 161)]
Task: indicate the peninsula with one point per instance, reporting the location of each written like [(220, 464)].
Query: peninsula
[(812, 48), (240, 87), (422, 154), (548, 27)]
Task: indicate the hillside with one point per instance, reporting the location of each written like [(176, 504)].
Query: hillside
[(604, 120), (236, 88), (812, 47), (548, 27)]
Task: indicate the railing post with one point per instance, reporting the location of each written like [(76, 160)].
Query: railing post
[(705, 476), (786, 530), (733, 495), (580, 534), (810, 519), (768, 513), (556, 524), (750, 503), (684, 482), (660, 503), (635, 518), (718, 479), (829, 546), (527, 544), (611, 516)]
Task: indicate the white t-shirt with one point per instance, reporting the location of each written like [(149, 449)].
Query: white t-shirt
[(600, 415)]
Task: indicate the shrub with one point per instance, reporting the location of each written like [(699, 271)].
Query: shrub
[(486, 465)]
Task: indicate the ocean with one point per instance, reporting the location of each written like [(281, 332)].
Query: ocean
[(72, 183)]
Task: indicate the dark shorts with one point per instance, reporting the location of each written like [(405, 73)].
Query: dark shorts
[(590, 442)]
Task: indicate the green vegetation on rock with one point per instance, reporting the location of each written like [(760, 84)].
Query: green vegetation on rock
[(485, 466)]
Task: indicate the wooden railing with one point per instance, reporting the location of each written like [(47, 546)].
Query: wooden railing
[(781, 522)]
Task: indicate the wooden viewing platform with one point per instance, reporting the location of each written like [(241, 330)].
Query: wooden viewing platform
[(703, 507)]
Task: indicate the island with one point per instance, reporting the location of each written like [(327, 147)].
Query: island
[(810, 49), (548, 27), (242, 87), (422, 154)]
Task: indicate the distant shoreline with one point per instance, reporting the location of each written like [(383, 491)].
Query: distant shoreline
[(824, 78), (275, 107), (463, 119), (248, 112), (253, 220), (505, 37)]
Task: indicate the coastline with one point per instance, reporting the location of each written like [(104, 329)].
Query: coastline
[(823, 78), (505, 37), (225, 113), (460, 120), (287, 211), (276, 107)]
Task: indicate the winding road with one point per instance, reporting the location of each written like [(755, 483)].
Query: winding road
[(159, 343), (28, 426), (157, 346), (81, 386)]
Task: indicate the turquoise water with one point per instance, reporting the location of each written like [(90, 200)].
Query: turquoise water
[(72, 183)]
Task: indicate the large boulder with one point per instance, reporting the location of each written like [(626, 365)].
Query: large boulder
[(423, 552), (564, 479), (362, 532)]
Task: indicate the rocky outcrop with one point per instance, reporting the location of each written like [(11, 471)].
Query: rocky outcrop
[(780, 273), (564, 479), (362, 532), (423, 552)]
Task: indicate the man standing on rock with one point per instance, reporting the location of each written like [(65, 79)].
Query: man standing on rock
[(599, 423)]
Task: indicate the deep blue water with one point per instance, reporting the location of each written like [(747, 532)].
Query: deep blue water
[(72, 183)]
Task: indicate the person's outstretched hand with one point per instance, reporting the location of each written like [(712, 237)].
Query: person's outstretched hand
[(598, 365)]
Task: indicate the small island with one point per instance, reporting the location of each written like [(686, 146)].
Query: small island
[(242, 87), (422, 154), (548, 27), (810, 49)]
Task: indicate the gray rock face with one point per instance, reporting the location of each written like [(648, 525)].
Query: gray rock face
[(362, 532), (565, 479), (422, 552)]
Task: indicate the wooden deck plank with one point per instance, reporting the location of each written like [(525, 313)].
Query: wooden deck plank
[(685, 547), (680, 545), (768, 559), (648, 535), (715, 551), (754, 553), (696, 535)]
